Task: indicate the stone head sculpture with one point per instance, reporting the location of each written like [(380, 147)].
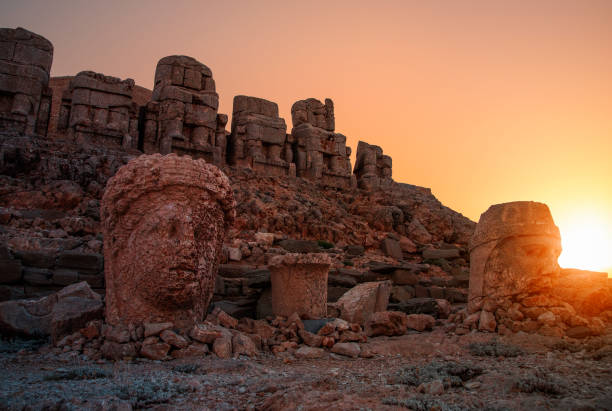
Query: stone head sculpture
[(513, 250), (164, 220)]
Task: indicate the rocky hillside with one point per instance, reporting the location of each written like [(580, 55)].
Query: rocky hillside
[(50, 227)]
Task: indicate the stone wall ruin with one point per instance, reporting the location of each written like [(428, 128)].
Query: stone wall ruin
[(259, 137), (99, 110), (182, 115), (25, 98)]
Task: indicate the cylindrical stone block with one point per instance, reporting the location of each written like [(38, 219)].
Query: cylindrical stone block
[(299, 284)]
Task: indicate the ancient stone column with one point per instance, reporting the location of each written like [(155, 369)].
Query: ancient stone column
[(299, 284), (164, 220), (25, 98)]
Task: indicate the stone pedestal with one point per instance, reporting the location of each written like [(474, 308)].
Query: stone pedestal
[(299, 284), (164, 219)]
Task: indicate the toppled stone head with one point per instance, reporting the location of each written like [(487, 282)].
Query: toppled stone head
[(164, 220), (514, 250)]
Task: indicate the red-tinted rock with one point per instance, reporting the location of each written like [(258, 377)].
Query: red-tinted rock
[(243, 345), (310, 353), (194, 350), (164, 221), (348, 349), (206, 333), (299, 284), (57, 315), (222, 347), (156, 328), (157, 351), (116, 351), (360, 302), (420, 322), (173, 339), (387, 323)]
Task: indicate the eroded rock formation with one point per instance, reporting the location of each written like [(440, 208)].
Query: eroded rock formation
[(182, 116), (516, 283), (372, 167), (99, 110), (25, 98), (164, 220)]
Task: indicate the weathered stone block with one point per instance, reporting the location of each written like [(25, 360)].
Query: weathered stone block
[(299, 284)]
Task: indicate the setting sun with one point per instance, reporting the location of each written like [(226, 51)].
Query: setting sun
[(587, 241)]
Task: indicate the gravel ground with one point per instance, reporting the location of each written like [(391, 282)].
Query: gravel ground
[(420, 371)]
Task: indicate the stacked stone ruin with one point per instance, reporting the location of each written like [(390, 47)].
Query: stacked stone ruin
[(181, 117), (99, 110), (372, 168), (25, 98)]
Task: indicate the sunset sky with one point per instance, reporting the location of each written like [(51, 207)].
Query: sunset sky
[(483, 101)]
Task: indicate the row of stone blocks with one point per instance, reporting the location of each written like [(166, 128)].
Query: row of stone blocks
[(41, 272), (181, 117)]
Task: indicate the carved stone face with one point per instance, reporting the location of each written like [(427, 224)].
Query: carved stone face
[(521, 264), (165, 256), (164, 223)]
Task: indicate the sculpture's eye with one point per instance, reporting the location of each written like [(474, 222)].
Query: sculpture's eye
[(534, 250)]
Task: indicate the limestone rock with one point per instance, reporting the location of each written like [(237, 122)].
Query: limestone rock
[(164, 221), (359, 303)]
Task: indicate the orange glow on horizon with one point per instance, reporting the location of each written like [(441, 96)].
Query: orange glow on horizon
[(586, 236)]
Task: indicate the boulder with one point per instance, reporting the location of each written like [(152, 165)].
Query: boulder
[(387, 323), (348, 349), (359, 303), (56, 315)]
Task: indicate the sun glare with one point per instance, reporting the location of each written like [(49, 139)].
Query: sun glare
[(587, 242)]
